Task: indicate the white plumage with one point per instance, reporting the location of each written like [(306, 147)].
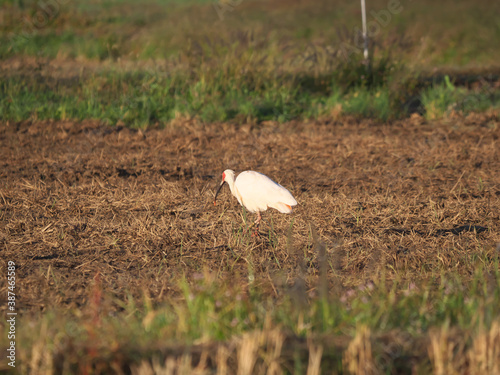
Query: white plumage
[(257, 192)]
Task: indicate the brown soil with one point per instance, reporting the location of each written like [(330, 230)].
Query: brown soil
[(135, 207)]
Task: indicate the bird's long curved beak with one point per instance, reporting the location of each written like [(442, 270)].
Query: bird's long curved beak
[(217, 192)]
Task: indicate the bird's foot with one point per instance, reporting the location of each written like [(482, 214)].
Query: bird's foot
[(255, 231), (255, 225)]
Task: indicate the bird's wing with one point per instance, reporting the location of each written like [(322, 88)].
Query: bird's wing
[(259, 192)]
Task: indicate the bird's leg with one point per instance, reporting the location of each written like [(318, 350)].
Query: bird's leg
[(257, 223), (259, 218)]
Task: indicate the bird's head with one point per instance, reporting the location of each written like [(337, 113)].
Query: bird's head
[(227, 176)]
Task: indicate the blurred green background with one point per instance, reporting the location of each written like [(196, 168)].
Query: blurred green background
[(143, 63)]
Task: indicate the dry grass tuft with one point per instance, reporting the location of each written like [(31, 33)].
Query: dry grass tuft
[(358, 358), (484, 356)]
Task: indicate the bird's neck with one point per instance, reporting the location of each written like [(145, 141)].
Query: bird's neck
[(234, 190), (232, 187)]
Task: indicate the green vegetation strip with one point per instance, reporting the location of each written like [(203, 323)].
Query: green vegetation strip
[(414, 318), (141, 99)]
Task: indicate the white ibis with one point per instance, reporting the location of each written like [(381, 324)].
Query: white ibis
[(257, 192)]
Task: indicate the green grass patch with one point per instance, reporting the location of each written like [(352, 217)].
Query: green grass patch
[(369, 103), (140, 99), (442, 99)]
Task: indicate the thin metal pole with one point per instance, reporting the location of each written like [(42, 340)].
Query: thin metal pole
[(365, 34)]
